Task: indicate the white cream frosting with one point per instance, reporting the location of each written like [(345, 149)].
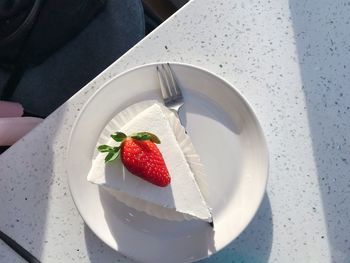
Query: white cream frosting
[(183, 198)]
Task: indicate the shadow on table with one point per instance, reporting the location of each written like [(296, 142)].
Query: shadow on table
[(29, 179), (321, 30), (254, 244), (99, 252)]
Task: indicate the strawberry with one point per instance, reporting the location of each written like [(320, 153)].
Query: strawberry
[(140, 155)]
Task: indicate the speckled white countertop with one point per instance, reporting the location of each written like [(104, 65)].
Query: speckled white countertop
[(291, 59)]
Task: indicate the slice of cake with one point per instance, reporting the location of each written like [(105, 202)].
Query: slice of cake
[(182, 195)]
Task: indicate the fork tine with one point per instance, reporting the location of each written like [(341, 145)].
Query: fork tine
[(174, 85), (163, 86), (168, 82), (172, 96)]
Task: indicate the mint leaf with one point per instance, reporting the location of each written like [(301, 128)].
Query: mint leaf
[(105, 148), (154, 138), (111, 156), (118, 136), (142, 136)]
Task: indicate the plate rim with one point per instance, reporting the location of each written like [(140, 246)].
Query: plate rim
[(228, 85)]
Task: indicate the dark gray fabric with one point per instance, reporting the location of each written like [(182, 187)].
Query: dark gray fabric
[(58, 22), (112, 32), (178, 3), (16, 19), (4, 75)]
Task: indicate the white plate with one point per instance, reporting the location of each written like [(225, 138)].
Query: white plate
[(225, 133)]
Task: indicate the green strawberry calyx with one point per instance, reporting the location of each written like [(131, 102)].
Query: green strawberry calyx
[(113, 152)]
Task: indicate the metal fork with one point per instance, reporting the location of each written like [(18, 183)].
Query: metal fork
[(171, 92)]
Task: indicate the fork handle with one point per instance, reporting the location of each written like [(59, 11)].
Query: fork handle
[(176, 112), (176, 109)]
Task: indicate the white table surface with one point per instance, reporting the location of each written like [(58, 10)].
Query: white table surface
[(291, 59)]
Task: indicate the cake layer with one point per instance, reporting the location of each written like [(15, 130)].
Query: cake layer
[(182, 195)]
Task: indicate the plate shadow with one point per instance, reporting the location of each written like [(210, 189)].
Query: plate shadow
[(254, 244)]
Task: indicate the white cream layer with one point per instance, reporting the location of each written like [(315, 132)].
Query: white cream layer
[(182, 195)]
